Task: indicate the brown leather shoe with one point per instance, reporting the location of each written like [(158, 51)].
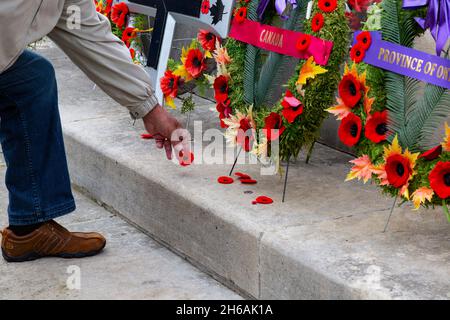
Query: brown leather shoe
[(50, 240)]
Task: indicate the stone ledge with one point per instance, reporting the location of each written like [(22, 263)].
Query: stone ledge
[(326, 242)]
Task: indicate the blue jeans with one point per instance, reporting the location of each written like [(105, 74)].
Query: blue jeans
[(37, 177)]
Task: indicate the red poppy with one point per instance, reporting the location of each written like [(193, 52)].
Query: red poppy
[(440, 179), (207, 39), (241, 15), (303, 42), (273, 127), (205, 6), (292, 107), (365, 39), (317, 22), (132, 53), (357, 53), (360, 5), (224, 110), (221, 89), (147, 136), (108, 7), (245, 134), (263, 200), (185, 158), (248, 181), (327, 5), (350, 130), (225, 180), (376, 127), (350, 90), (119, 14), (432, 154), (128, 35), (169, 84), (241, 175), (398, 170), (195, 63)]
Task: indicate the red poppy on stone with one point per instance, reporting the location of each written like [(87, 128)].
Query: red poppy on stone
[(350, 130), (242, 175), (207, 39), (398, 169), (292, 107), (357, 53), (119, 14), (365, 39), (303, 42), (241, 15), (195, 63), (327, 5), (224, 109), (147, 136), (432, 154), (440, 179), (248, 181), (376, 127), (273, 127), (245, 134), (128, 35), (221, 88), (350, 90), (263, 200), (169, 84), (185, 158), (317, 22), (225, 180), (205, 6)]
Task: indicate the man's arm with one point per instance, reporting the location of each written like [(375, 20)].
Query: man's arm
[(106, 61)]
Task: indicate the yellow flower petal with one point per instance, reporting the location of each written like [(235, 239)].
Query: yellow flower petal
[(421, 195), (309, 71)]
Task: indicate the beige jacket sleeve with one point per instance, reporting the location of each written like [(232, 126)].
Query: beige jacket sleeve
[(104, 58)]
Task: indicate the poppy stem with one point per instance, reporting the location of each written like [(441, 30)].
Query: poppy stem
[(286, 179), (310, 151), (390, 214), (235, 161), (446, 211)]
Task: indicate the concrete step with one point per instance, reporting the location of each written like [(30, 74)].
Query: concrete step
[(325, 242), (132, 266)]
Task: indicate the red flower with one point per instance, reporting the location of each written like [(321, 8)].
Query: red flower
[(205, 6), (317, 22), (248, 181), (398, 170), (224, 110), (376, 127), (360, 5), (195, 63), (327, 5), (241, 14), (242, 175), (221, 88), (365, 39), (119, 14), (128, 35), (432, 154), (350, 130), (245, 134), (303, 42), (132, 53), (225, 180), (440, 179), (350, 90), (273, 128), (207, 39), (169, 84), (357, 53), (292, 107), (263, 200), (108, 8)]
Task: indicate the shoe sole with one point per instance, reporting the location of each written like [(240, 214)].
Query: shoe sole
[(34, 256)]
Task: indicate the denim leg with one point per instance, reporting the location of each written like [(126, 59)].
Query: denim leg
[(37, 177)]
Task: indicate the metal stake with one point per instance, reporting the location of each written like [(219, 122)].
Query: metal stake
[(390, 214), (235, 161)]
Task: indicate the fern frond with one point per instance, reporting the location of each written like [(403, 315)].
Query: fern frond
[(250, 60)]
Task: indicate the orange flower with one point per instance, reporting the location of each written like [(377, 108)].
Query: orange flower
[(422, 195), (340, 110), (362, 169), (309, 71)]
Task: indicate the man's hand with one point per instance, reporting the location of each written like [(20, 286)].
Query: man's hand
[(162, 125)]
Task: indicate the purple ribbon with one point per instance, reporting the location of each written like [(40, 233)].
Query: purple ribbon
[(280, 6), (407, 61), (437, 19)]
